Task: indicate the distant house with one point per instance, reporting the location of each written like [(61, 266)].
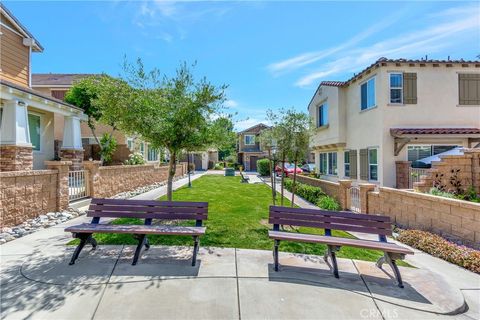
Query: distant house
[(27, 116), (372, 126), (57, 85), (249, 148)]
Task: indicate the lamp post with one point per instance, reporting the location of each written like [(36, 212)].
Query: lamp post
[(273, 175)]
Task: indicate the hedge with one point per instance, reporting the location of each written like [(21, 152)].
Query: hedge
[(263, 167), (439, 247)]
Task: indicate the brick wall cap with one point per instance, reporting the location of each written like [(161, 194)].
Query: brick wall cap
[(127, 166), (25, 173), (332, 183), (26, 146), (58, 163), (403, 162)]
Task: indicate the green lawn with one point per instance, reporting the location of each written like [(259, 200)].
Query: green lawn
[(238, 215)]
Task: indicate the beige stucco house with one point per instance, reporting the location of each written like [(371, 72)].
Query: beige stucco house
[(392, 112), (27, 116), (57, 85), (249, 148)]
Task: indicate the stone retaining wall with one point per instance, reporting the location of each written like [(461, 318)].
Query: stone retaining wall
[(452, 218), (26, 194)]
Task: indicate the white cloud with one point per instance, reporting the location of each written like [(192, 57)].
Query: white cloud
[(247, 123), (445, 34), (231, 103)]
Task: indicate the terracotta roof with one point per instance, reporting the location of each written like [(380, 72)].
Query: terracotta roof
[(56, 79), (22, 28), (37, 93), (432, 131), (332, 83)]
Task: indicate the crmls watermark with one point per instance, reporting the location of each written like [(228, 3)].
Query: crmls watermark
[(375, 313)]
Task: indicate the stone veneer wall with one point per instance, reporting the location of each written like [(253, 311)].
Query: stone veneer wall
[(452, 218), (331, 188), (108, 181), (469, 175), (26, 194), (16, 158)]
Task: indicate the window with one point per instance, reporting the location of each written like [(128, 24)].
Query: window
[(469, 89), (142, 148), (152, 154), (322, 115), (367, 91), (249, 139), (347, 163), (328, 163), (396, 87), (34, 128), (373, 164), (418, 152), (130, 144)]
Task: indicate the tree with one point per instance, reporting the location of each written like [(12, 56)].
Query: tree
[(268, 142), (223, 136), (175, 113)]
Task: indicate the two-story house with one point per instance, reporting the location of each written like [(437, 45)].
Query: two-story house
[(250, 148), (57, 85), (392, 112), (27, 115)]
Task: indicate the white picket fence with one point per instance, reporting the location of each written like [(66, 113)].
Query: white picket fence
[(355, 199), (78, 185)]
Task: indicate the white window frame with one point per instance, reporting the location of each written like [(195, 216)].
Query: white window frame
[(328, 169), (395, 88), (323, 110), (245, 139), (375, 164), (130, 145), (148, 154), (33, 113), (142, 149), (374, 93)]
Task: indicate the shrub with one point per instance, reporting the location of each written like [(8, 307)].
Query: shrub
[(439, 247), (134, 159), (218, 166), (437, 192), (328, 203), (307, 192), (108, 147), (263, 167)]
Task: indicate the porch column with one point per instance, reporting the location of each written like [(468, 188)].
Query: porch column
[(72, 149), (15, 147)]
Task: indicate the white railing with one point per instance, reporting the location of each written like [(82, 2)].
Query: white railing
[(78, 185), (355, 199), (414, 175)]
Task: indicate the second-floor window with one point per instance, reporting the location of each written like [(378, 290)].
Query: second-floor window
[(469, 89), (396, 87), (249, 139), (367, 94), (322, 115)]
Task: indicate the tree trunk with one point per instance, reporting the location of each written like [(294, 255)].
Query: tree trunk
[(283, 176), (294, 182), (272, 172), (172, 167)]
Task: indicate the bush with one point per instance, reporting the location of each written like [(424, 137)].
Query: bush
[(328, 203), (310, 193), (218, 166), (108, 146), (263, 167), (211, 164), (439, 247), (134, 159), (437, 192)]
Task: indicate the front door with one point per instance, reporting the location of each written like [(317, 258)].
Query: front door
[(253, 163)]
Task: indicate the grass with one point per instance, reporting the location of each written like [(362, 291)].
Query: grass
[(238, 218)]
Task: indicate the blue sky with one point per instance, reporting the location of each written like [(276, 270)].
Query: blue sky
[(271, 54)]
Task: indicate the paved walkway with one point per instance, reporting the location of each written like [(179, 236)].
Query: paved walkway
[(38, 283)]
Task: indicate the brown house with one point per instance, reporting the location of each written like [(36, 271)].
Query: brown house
[(249, 149)]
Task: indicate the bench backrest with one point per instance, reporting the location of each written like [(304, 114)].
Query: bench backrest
[(148, 209), (330, 220)]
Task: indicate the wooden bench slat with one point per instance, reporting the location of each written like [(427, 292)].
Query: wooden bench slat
[(331, 219), (332, 226), (149, 202), (147, 215), (153, 209), (336, 241), (136, 229), (359, 216)]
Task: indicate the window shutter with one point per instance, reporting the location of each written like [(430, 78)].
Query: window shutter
[(353, 164), (410, 88), (469, 89), (363, 164)]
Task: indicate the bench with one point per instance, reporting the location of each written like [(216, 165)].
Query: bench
[(245, 179), (147, 210), (334, 220)]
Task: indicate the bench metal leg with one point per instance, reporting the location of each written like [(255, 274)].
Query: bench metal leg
[(331, 253), (275, 253), (84, 238), (390, 259), (195, 250), (147, 244), (141, 243)]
